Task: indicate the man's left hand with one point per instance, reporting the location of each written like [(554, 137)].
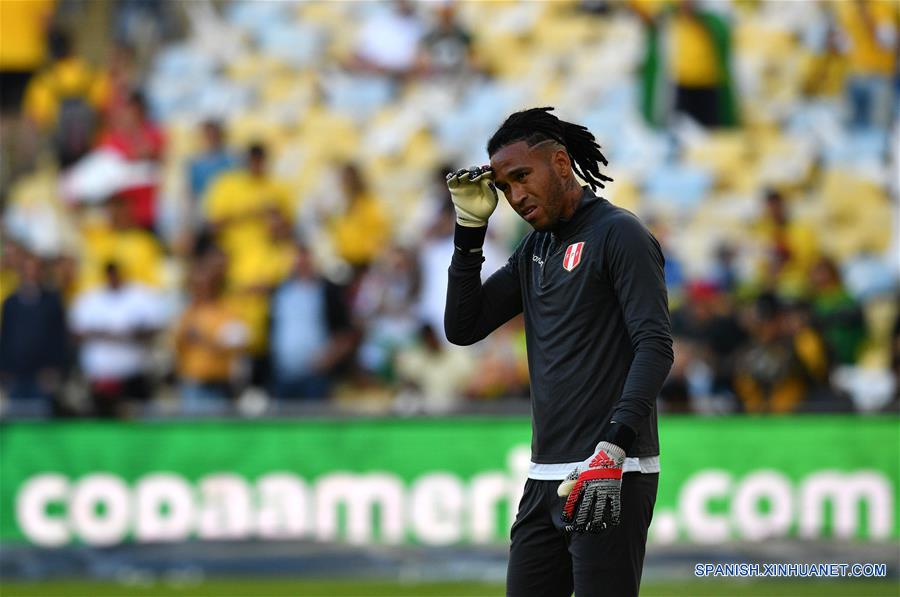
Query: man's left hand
[(594, 489)]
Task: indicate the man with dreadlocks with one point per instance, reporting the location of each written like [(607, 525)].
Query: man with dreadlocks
[(589, 280)]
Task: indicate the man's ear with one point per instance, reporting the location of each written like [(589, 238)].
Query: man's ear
[(562, 163)]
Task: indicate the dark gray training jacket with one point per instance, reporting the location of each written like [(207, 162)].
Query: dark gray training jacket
[(596, 324)]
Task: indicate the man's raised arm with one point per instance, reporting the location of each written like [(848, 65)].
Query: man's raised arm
[(474, 310)]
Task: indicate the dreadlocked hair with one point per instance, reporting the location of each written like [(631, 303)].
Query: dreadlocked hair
[(537, 124)]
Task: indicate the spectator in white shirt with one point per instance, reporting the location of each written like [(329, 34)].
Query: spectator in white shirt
[(388, 42), (437, 246), (433, 377), (115, 325)]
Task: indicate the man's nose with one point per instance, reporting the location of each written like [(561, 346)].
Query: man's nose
[(517, 198)]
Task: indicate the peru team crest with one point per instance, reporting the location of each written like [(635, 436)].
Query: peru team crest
[(573, 256)]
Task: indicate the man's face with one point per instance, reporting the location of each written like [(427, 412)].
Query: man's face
[(120, 214), (31, 269), (775, 207), (304, 266), (213, 136), (257, 166), (113, 277), (527, 178)]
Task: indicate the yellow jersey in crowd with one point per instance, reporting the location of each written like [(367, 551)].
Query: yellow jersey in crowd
[(23, 42), (872, 33)]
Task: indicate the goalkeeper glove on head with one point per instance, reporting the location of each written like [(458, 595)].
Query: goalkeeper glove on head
[(593, 490), (473, 194)]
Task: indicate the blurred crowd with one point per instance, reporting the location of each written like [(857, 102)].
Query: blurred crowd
[(239, 207)]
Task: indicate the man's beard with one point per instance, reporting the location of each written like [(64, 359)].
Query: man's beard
[(553, 207)]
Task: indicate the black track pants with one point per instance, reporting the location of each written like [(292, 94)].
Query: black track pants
[(546, 561)]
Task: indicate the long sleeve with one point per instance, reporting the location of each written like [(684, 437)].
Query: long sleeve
[(473, 309), (636, 271)]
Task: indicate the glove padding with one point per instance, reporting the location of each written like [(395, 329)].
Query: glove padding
[(473, 194), (594, 489)]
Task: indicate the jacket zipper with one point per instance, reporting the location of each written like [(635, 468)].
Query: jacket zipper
[(551, 252)]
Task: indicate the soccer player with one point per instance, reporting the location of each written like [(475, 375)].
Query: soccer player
[(589, 280)]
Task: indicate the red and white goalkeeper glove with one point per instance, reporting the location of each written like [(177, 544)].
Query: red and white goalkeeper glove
[(594, 489)]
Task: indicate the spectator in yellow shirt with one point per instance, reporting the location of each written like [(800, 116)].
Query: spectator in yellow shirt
[(361, 232), (871, 34), (249, 212), (783, 365), (240, 204), (792, 247), (210, 340), (65, 99), (687, 64), (826, 70), (23, 47), (700, 63), (138, 253), (253, 274)]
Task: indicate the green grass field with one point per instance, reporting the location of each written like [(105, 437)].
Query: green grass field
[(284, 588)]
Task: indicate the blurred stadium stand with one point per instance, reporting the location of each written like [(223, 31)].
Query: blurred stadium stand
[(206, 143)]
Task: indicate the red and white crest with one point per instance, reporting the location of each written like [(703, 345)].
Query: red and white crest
[(573, 256)]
